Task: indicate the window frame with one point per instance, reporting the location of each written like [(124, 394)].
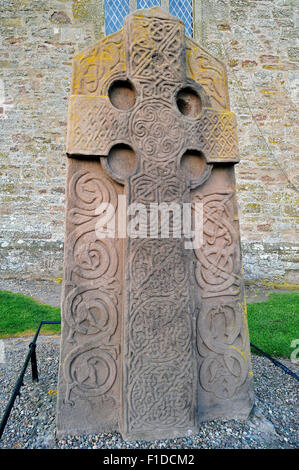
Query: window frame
[(164, 4)]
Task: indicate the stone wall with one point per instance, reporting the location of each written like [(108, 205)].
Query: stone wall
[(257, 42)]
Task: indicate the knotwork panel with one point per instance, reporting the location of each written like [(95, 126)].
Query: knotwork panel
[(225, 372)]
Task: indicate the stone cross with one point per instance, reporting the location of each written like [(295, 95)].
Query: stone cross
[(154, 335)]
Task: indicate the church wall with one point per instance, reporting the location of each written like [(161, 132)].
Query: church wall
[(255, 40)]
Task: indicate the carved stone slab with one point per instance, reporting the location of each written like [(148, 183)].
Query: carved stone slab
[(154, 336)]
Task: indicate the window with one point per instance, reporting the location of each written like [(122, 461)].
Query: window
[(148, 3), (117, 10), (115, 13), (183, 9)]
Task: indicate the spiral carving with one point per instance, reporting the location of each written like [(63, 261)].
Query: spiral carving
[(156, 130), (90, 305), (89, 371), (91, 311)]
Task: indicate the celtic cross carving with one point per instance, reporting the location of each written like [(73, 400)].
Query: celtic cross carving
[(154, 335)]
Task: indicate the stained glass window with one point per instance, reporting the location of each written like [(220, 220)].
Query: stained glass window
[(116, 10), (184, 10), (115, 13), (148, 3)]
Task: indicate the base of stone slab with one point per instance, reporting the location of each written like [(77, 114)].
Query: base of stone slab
[(138, 436), (78, 431), (159, 434), (241, 415)]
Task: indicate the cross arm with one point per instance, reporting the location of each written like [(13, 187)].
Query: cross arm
[(94, 126), (215, 134)]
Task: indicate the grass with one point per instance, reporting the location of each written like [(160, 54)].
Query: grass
[(273, 325), (21, 315)]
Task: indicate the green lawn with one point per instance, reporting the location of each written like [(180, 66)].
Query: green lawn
[(273, 325), (20, 315)]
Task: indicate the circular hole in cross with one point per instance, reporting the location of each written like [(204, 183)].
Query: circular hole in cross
[(188, 102), (193, 164), (122, 160), (122, 94)]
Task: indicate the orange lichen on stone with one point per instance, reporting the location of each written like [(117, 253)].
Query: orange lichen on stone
[(95, 67), (209, 72)]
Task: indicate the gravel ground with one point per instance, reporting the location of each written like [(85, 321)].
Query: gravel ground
[(273, 424)]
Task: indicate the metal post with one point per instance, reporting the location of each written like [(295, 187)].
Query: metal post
[(30, 356), (34, 369)]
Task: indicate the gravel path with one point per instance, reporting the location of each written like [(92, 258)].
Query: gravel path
[(274, 423)]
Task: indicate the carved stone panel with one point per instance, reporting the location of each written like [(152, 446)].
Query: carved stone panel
[(90, 363), (154, 335), (225, 373)]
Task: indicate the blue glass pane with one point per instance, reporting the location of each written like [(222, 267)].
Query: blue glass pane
[(183, 9), (115, 13), (148, 3)]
